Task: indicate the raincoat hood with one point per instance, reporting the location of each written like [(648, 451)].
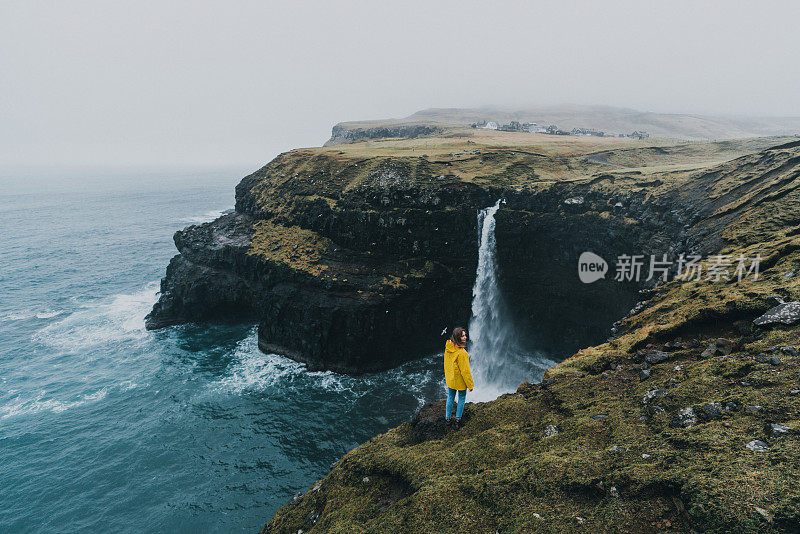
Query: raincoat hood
[(451, 348)]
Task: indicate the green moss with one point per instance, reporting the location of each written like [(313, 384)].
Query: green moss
[(293, 246)]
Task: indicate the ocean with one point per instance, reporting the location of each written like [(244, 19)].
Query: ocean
[(106, 426)]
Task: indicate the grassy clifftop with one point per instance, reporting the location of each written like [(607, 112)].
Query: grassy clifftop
[(437, 173), (687, 420)]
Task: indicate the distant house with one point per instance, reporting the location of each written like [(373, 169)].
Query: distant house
[(490, 125), (513, 126), (588, 131)]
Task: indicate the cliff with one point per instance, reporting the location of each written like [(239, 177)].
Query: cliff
[(330, 248), (684, 419)]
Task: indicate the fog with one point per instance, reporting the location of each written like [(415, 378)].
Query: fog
[(199, 83)]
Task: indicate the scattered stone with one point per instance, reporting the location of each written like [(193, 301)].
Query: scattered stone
[(317, 487), (794, 392), (656, 410), (550, 431), (599, 417), (297, 496), (644, 374), (762, 357), (731, 406), (574, 201), (752, 409), (745, 383), (775, 360), (724, 346), (709, 352), (613, 492), (712, 410), (313, 516), (786, 313), (537, 516), (645, 456), (757, 445), (580, 520), (656, 356), (789, 351), (766, 515), (685, 418), (653, 394), (365, 480), (778, 431), (678, 368), (616, 448)]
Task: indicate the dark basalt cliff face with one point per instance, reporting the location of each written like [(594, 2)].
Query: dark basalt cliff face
[(332, 255)]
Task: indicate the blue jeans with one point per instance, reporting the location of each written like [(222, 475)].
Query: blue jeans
[(462, 399)]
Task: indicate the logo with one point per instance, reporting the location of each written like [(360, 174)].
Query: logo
[(591, 267)]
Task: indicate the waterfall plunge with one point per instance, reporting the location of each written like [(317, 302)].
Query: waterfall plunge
[(498, 360)]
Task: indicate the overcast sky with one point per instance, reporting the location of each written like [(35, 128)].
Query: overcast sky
[(151, 83)]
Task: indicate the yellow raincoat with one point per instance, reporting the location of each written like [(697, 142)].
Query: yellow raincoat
[(456, 367)]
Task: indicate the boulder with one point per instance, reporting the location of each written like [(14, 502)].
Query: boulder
[(656, 356), (550, 431), (653, 394), (762, 357), (785, 313), (685, 418), (757, 445), (711, 410), (778, 431)]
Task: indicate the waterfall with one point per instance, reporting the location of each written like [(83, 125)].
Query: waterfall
[(498, 359)]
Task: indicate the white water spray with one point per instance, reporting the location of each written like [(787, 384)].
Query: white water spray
[(498, 360)]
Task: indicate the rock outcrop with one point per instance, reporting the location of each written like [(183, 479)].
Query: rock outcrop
[(342, 133)]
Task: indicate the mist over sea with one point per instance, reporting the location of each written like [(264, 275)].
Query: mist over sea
[(106, 426)]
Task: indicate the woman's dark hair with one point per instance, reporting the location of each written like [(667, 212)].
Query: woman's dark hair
[(456, 337)]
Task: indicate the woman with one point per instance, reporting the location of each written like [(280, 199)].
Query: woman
[(457, 374)]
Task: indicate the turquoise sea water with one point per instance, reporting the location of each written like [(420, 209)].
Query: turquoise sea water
[(105, 426)]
